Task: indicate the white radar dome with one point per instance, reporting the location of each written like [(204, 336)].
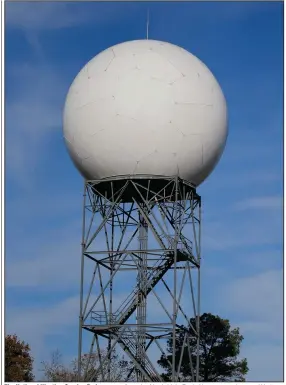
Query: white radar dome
[(145, 107)]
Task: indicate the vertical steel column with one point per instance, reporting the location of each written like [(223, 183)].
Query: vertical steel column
[(110, 299), (142, 285), (81, 286), (176, 237), (199, 295)]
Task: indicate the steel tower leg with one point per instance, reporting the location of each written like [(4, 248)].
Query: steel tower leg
[(133, 299), (142, 294), (79, 358)]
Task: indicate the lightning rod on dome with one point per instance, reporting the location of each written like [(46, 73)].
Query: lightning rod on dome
[(147, 34)]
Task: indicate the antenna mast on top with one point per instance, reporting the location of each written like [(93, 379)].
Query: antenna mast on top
[(147, 23)]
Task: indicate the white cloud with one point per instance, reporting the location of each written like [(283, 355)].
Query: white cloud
[(256, 303), (250, 177), (258, 296), (42, 321), (57, 266), (32, 116), (49, 15), (263, 203), (235, 222), (57, 15), (50, 260), (265, 362), (231, 234), (41, 206), (261, 328)]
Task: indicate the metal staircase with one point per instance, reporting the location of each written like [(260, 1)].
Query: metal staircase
[(130, 304), (127, 339), (128, 345)]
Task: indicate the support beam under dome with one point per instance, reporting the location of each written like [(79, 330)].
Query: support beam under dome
[(140, 280)]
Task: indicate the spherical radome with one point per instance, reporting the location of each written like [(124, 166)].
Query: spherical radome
[(145, 107)]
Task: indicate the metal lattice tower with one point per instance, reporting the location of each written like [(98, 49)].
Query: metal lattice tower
[(141, 243)]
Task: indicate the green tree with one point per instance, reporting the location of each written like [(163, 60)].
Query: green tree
[(18, 361), (55, 371), (219, 351)]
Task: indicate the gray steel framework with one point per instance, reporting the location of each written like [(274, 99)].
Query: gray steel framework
[(148, 228)]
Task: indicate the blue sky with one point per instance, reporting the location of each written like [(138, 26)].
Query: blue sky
[(46, 46)]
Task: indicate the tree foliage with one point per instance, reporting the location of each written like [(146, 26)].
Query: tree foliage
[(117, 366), (18, 361), (219, 350)]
